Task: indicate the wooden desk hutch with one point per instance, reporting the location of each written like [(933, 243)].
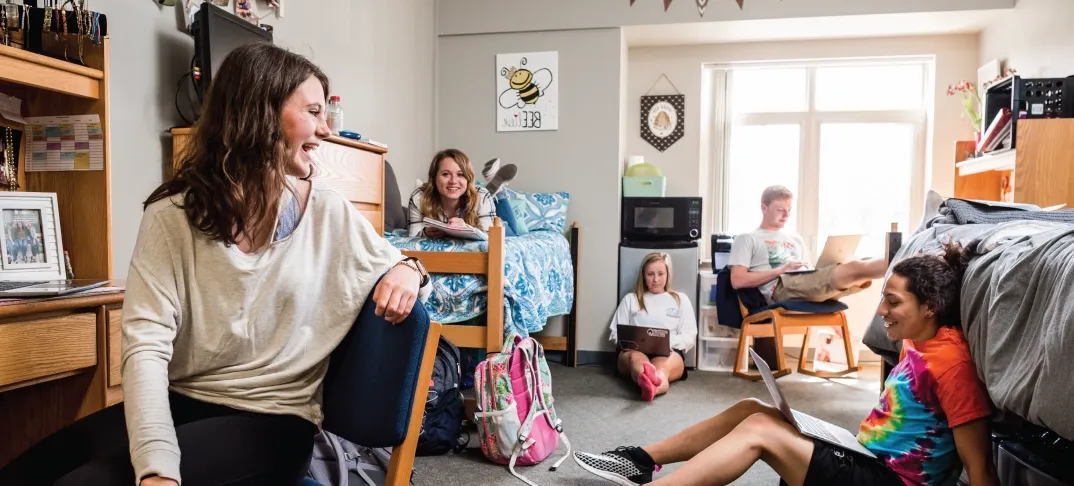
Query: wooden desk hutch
[(59, 358)]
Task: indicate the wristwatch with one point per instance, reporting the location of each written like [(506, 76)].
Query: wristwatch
[(414, 263)]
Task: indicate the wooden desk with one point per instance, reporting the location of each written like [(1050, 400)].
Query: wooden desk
[(59, 361)]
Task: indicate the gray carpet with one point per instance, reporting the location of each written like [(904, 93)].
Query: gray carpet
[(600, 412)]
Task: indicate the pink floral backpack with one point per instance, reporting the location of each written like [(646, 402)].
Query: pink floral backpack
[(516, 422)]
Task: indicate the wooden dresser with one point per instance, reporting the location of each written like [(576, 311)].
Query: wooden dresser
[(1039, 171)]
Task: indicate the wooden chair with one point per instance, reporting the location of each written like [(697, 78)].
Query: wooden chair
[(793, 317), (402, 462)]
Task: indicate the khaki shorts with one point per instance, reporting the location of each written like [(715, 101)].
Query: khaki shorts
[(814, 287)]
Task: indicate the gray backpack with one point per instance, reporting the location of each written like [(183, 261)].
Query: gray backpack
[(339, 462)]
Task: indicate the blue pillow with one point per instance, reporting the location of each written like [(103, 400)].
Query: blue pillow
[(542, 210), (518, 209)]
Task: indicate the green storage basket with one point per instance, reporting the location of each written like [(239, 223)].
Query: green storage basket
[(644, 186)]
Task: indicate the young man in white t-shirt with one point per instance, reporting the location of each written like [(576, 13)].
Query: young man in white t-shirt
[(761, 259)]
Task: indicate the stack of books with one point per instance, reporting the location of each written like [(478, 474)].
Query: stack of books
[(998, 134)]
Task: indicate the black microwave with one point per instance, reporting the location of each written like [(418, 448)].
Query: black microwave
[(661, 219)]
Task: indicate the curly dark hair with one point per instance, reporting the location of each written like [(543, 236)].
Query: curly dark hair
[(936, 280)]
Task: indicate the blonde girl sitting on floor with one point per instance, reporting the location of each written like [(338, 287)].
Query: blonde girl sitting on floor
[(654, 304)]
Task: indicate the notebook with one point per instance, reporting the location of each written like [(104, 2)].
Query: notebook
[(465, 232)]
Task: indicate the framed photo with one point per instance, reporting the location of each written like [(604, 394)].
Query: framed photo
[(31, 245)]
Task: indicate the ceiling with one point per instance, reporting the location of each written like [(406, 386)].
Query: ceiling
[(886, 25)]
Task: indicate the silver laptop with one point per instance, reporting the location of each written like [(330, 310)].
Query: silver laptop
[(46, 288), (837, 249), (809, 426)]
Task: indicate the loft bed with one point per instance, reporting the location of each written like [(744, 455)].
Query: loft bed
[(1015, 313), (516, 284), (474, 272)]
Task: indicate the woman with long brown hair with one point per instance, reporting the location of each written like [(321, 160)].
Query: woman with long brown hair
[(246, 274), (449, 195)]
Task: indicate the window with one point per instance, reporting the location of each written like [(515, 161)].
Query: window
[(847, 137)]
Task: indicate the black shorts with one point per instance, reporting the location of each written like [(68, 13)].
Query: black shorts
[(833, 466), (678, 352), (681, 355)]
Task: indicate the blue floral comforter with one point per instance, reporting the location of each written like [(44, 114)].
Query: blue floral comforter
[(538, 281)]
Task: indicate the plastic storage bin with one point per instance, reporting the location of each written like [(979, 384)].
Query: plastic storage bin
[(644, 186), (1019, 464), (717, 354)]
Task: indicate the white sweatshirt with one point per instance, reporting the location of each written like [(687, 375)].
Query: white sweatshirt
[(661, 311), (249, 331)]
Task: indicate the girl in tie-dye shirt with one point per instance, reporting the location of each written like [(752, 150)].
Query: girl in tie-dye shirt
[(930, 410), (932, 420)]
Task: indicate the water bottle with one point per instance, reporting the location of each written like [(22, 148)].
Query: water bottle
[(335, 115)]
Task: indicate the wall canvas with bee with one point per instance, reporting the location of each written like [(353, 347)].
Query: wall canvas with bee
[(527, 91), (662, 119)]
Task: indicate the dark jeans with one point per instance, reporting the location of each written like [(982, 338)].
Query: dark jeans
[(505, 213), (219, 446)]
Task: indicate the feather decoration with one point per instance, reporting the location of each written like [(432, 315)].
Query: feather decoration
[(701, 4), (667, 3)]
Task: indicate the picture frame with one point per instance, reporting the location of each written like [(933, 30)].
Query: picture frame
[(31, 241)]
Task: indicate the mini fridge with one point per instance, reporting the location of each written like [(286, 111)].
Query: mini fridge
[(685, 260)]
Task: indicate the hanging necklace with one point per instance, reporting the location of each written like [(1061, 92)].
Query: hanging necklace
[(10, 169)]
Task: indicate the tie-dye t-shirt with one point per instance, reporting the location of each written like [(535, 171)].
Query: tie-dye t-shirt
[(932, 390)]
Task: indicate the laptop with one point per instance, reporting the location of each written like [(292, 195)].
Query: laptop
[(653, 341), (808, 425), (837, 249), (46, 288)]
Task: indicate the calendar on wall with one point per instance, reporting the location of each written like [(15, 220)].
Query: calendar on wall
[(64, 143)]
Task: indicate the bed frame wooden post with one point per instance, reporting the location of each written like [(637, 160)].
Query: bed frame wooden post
[(572, 319), (494, 327)]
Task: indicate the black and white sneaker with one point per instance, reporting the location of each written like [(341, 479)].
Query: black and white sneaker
[(624, 465)]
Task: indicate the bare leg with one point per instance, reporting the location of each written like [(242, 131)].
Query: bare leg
[(688, 443), (633, 364), (670, 369), (759, 437), (630, 364), (858, 273)]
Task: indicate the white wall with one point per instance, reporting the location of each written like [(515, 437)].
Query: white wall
[(378, 54), (491, 16), (581, 157), (1036, 39), (684, 163)]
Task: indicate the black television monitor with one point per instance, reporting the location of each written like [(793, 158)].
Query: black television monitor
[(217, 32)]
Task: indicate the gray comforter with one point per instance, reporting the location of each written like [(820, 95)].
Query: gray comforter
[(1018, 314)]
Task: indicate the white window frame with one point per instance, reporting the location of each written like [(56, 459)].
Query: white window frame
[(720, 120)]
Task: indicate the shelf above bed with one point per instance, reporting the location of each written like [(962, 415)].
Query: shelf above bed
[(1001, 160)]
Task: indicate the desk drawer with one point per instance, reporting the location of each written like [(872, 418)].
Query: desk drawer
[(38, 348), (115, 347)]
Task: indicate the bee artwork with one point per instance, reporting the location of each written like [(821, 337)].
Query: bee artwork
[(527, 95)]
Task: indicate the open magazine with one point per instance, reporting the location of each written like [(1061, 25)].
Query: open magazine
[(465, 232)]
